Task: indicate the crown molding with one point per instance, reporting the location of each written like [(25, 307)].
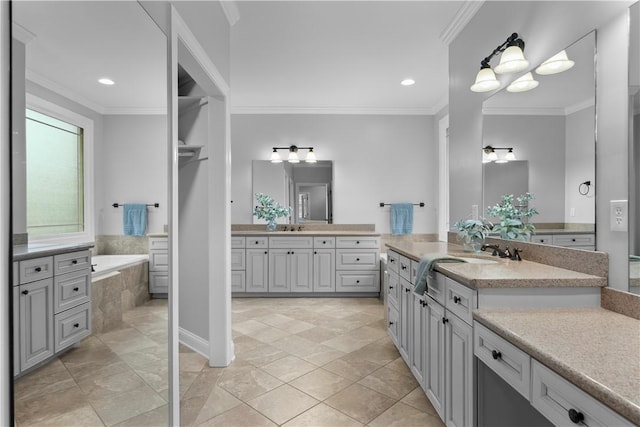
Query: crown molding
[(231, 12), (64, 91), (462, 17), (21, 34), (523, 111), (579, 106), (334, 110)]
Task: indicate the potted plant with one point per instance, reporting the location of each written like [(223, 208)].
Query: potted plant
[(472, 232), (514, 223), (270, 210)]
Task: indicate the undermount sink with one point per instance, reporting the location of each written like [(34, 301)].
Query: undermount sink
[(471, 260)]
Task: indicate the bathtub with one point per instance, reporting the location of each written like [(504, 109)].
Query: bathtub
[(105, 264)]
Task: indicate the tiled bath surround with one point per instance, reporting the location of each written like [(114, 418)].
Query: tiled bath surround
[(121, 245)]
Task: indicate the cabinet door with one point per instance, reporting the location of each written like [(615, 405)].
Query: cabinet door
[(406, 319), (36, 322), (417, 339), (237, 280), (324, 270), (279, 270), (238, 259), (392, 323), (158, 282), (434, 378), (458, 372), (301, 270), (257, 264), (393, 288)]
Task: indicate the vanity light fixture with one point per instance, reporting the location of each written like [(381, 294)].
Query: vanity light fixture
[(490, 154), (293, 154), (556, 64), (512, 60), (106, 81), (523, 84)]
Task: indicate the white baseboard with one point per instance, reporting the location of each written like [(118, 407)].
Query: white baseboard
[(194, 342)]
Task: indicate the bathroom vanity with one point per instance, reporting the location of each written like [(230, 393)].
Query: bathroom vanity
[(501, 342)]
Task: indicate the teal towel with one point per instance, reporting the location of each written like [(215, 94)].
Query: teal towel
[(427, 262), (135, 219), (401, 218)]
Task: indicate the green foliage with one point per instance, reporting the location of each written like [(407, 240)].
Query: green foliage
[(472, 229), (512, 225), (268, 209)]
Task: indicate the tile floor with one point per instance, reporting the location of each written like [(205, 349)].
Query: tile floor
[(299, 362)]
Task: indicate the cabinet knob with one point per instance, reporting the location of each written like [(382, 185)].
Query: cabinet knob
[(445, 320), (357, 259), (265, 252), (390, 287), (315, 252), (456, 299), (292, 252), (288, 252), (390, 323), (324, 242), (573, 240), (257, 242), (76, 325), (74, 262), (357, 281), (25, 292), (392, 260), (496, 354), (404, 267), (357, 242), (76, 289), (407, 290), (38, 269), (575, 416)]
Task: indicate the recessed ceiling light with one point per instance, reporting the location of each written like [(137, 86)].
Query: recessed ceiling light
[(408, 82), (106, 81)]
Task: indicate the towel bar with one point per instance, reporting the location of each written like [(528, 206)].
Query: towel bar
[(117, 205), (383, 204)]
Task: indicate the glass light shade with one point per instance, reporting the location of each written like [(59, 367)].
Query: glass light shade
[(556, 64), (492, 156), (408, 82), (275, 157), (502, 161), (523, 84), (510, 156), (485, 81), (311, 156), (511, 61), (293, 157)]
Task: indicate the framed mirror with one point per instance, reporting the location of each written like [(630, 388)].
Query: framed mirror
[(634, 148), (551, 129)]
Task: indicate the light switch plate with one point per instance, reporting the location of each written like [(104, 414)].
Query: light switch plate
[(619, 215)]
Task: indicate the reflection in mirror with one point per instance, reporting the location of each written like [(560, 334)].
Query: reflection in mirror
[(634, 149), (552, 130), (116, 371), (305, 187)]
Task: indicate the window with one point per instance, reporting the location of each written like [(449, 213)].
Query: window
[(58, 184)]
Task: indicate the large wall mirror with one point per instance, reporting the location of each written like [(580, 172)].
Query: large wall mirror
[(634, 149), (551, 131), (305, 187), (118, 374)]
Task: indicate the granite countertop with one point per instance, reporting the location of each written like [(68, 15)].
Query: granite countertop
[(596, 349), (304, 233), (35, 250), (503, 273)]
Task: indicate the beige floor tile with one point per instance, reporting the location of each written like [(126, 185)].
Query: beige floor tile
[(401, 415), (379, 352), (51, 378), (203, 384), (250, 384), (355, 339), (321, 384), (400, 366), (127, 405), (360, 403), (263, 354), (35, 410), (352, 368), (322, 415), (293, 344), (249, 326), (269, 334), (123, 341), (321, 354), (192, 362), (190, 407), (104, 387), (288, 368), (317, 334), (244, 343), (219, 401), (295, 326), (282, 403), (81, 417), (419, 400), (240, 416), (154, 418), (389, 382)]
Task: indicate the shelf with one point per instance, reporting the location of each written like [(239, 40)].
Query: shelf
[(189, 152)]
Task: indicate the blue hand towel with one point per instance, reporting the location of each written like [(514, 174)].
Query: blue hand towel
[(401, 218), (427, 262), (135, 219)]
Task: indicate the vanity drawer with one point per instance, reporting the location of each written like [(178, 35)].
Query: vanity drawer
[(574, 240), (436, 286), (509, 362), (547, 239), (460, 300), (158, 243), (393, 323), (238, 242), (238, 279), (358, 281), (257, 242), (404, 268), (393, 288), (70, 290), (558, 400), (72, 325), (74, 261), (393, 261), (324, 242), (36, 269), (159, 260), (358, 242), (237, 259), (293, 242), (354, 259)]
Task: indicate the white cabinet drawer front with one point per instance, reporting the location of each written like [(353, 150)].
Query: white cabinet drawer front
[(158, 282), (74, 261), (324, 242), (436, 286), (393, 289), (70, 290), (404, 268), (237, 242), (460, 300), (356, 281), (392, 323), (72, 325), (257, 242), (574, 239), (559, 400), (354, 242), (36, 269), (393, 261), (354, 259), (159, 260), (542, 238), (158, 243), (238, 281), (294, 242), (509, 362), (237, 259)]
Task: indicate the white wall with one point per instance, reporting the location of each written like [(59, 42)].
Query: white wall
[(18, 138), (375, 159), (133, 169), (580, 166)]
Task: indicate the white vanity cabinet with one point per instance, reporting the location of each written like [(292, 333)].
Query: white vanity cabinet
[(238, 264), (290, 270), (257, 273), (357, 264), (159, 265), (585, 241), (406, 320)]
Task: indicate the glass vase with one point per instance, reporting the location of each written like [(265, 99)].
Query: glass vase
[(271, 225)]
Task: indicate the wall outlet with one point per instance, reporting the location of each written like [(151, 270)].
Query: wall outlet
[(572, 212), (619, 215), (474, 211)]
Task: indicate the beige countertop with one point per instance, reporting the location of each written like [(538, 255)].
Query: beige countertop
[(304, 233), (504, 273), (35, 250), (596, 349)]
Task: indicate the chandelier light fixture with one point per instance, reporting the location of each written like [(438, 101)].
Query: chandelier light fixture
[(293, 154), (490, 154), (512, 60)]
